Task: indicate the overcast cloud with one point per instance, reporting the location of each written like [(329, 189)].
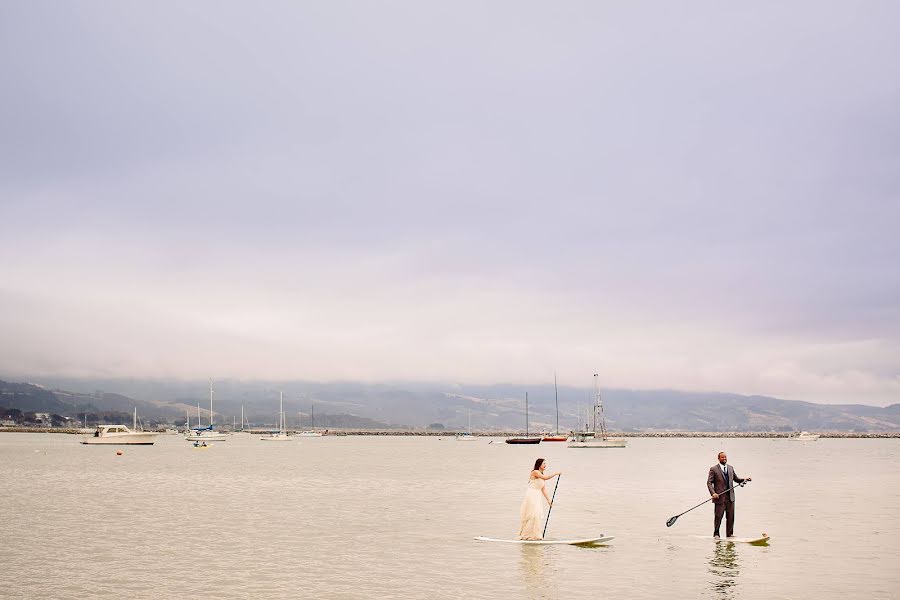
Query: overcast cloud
[(700, 196)]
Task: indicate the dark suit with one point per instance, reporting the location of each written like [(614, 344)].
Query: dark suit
[(717, 483)]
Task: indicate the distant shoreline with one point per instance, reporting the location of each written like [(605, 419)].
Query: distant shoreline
[(502, 434)]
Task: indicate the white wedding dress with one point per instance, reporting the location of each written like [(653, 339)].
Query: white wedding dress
[(532, 512)]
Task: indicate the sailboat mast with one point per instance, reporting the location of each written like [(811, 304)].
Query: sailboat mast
[(599, 406), (312, 415), (134, 420), (526, 414), (556, 396), (210, 402), (281, 396)]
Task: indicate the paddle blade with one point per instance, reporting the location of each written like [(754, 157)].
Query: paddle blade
[(671, 521)]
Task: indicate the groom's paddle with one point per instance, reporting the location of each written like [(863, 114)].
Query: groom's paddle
[(671, 521), (558, 477)]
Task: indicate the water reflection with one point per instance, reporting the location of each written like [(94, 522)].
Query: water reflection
[(724, 569), (538, 571)]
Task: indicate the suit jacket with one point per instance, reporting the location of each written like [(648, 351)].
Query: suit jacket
[(716, 483)]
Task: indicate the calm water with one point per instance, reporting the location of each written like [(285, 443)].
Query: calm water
[(394, 518)]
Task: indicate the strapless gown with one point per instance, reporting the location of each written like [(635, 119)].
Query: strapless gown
[(531, 514)]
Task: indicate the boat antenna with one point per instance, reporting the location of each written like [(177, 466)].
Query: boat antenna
[(556, 396)]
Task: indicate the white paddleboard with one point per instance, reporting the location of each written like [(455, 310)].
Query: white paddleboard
[(580, 542)]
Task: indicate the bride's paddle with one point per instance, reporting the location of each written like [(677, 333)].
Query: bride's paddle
[(671, 521), (558, 477)]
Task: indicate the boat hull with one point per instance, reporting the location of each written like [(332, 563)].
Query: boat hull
[(216, 437), (556, 438), (598, 443), (523, 440), (128, 439)]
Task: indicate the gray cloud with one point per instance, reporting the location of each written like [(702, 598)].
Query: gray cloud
[(700, 197)]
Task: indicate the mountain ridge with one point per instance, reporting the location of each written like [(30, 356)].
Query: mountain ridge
[(493, 407)]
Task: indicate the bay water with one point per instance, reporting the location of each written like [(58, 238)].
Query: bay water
[(395, 517)]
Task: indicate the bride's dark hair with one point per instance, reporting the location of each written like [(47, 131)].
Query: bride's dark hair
[(537, 464)]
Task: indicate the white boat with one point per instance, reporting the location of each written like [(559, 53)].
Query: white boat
[(804, 436), (120, 434), (467, 436), (599, 437), (205, 434), (311, 432), (280, 435)]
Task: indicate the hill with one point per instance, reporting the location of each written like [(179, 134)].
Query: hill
[(493, 407)]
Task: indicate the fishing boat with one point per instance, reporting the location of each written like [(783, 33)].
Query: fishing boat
[(208, 433), (556, 437), (280, 435), (311, 432), (526, 439), (804, 436), (598, 437), (120, 434), (467, 436)]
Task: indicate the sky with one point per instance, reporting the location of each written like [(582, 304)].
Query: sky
[(697, 197)]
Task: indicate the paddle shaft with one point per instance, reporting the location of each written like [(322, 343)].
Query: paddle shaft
[(558, 477), (672, 520)]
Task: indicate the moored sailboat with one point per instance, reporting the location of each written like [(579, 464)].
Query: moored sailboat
[(205, 434), (311, 432), (599, 437), (526, 439), (280, 435), (467, 436), (556, 437)]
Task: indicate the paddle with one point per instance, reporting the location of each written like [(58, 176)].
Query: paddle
[(558, 477), (671, 521)]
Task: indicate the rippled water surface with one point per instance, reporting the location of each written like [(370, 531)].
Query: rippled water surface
[(392, 517)]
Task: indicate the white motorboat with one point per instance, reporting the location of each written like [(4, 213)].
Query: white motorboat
[(120, 434), (280, 435), (804, 436), (599, 437)]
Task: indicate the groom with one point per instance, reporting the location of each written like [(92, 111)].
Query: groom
[(720, 481)]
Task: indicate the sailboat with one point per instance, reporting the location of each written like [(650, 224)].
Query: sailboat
[(557, 437), (527, 439), (599, 437), (280, 435), (245, 427), (467, 436), (205, 434), (311, 432)]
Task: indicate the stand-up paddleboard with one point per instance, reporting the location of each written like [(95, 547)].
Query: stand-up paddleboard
[(762, 540), (602, 539)]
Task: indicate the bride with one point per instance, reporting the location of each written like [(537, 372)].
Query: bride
[(531, 513)]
